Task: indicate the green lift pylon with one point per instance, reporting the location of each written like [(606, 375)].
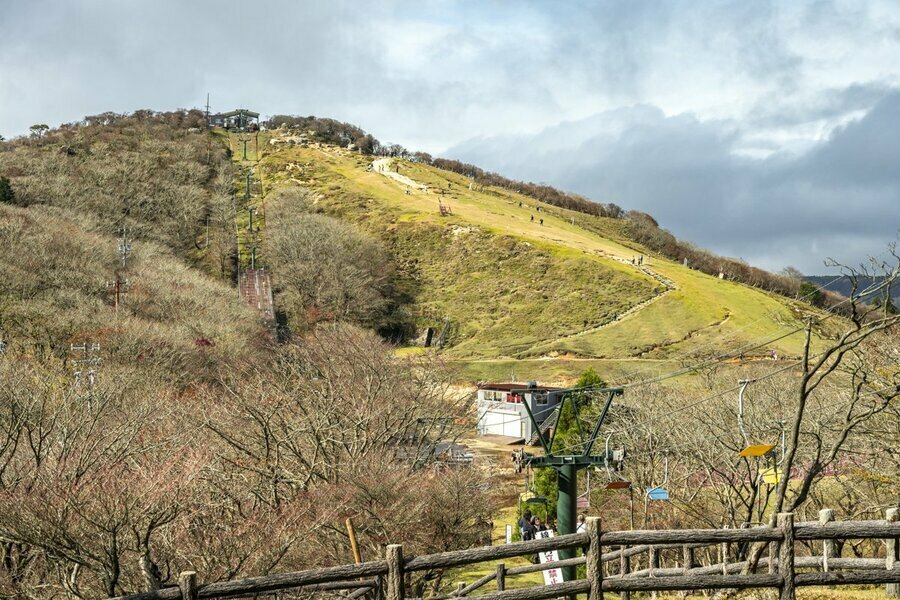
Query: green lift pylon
[(568, 465)]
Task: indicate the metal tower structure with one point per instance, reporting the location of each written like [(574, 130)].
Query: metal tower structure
[(568, 464)]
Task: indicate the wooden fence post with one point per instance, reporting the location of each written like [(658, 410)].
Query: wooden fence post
[(826, 515), (624, 568), (501, 577), (725, 556), (594, 558), (187, 583), (892, 556), (653, 563), (687, 554), (394, 559), (460, 585), (773, 557), (786, 556)]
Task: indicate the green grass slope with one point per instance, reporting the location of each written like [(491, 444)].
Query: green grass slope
[(514, 288)]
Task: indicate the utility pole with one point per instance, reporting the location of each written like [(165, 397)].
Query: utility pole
[(244, 141), (207, 109), (119, 288), (124, 246), (568, 465)]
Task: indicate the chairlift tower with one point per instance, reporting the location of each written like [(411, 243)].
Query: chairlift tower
[(568, 465), (89, 360), (124, 246)]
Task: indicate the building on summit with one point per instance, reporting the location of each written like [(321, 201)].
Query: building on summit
[(239, 119)]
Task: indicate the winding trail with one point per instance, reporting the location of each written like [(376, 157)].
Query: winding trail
[(383, 167)]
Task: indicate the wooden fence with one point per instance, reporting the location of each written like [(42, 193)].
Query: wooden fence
[(605, 571)]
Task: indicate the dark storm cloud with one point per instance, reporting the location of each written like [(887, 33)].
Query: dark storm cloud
[(841, 198)]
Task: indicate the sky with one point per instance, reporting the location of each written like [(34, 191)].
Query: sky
[(764, 130)]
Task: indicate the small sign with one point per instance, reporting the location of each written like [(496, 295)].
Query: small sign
[(551, 576), (509, 534), (657, 493)]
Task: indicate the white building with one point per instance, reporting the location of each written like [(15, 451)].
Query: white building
[(501, 408)]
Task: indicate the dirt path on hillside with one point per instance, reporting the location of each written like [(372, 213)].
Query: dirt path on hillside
[(383, 166)]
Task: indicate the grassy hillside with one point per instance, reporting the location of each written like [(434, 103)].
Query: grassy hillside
[(514, 288)]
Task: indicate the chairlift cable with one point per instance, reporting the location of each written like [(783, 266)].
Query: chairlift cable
[(698, 402), (867, 291), (732, 354), (709, 344)]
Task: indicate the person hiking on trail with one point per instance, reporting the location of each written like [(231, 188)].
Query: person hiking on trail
[(542, 221), (632, 260), (641, 260), (526, 529), (407, 190), (532, 218), (581, 526)]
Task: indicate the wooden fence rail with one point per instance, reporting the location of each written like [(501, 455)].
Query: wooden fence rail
[(386, 578)]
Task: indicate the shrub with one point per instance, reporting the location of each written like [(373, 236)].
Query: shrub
[(7, 196), (327, 269)]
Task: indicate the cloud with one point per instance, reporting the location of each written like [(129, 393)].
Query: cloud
[(840, 198)]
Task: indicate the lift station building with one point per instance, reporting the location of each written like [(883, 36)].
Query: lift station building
[(239, 119), (501, 408)]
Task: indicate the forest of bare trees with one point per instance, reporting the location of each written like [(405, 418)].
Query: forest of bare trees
[(190, 442), (157, 174), (118, 486)]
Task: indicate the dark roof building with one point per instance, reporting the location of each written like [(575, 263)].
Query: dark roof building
[(239, 119)]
